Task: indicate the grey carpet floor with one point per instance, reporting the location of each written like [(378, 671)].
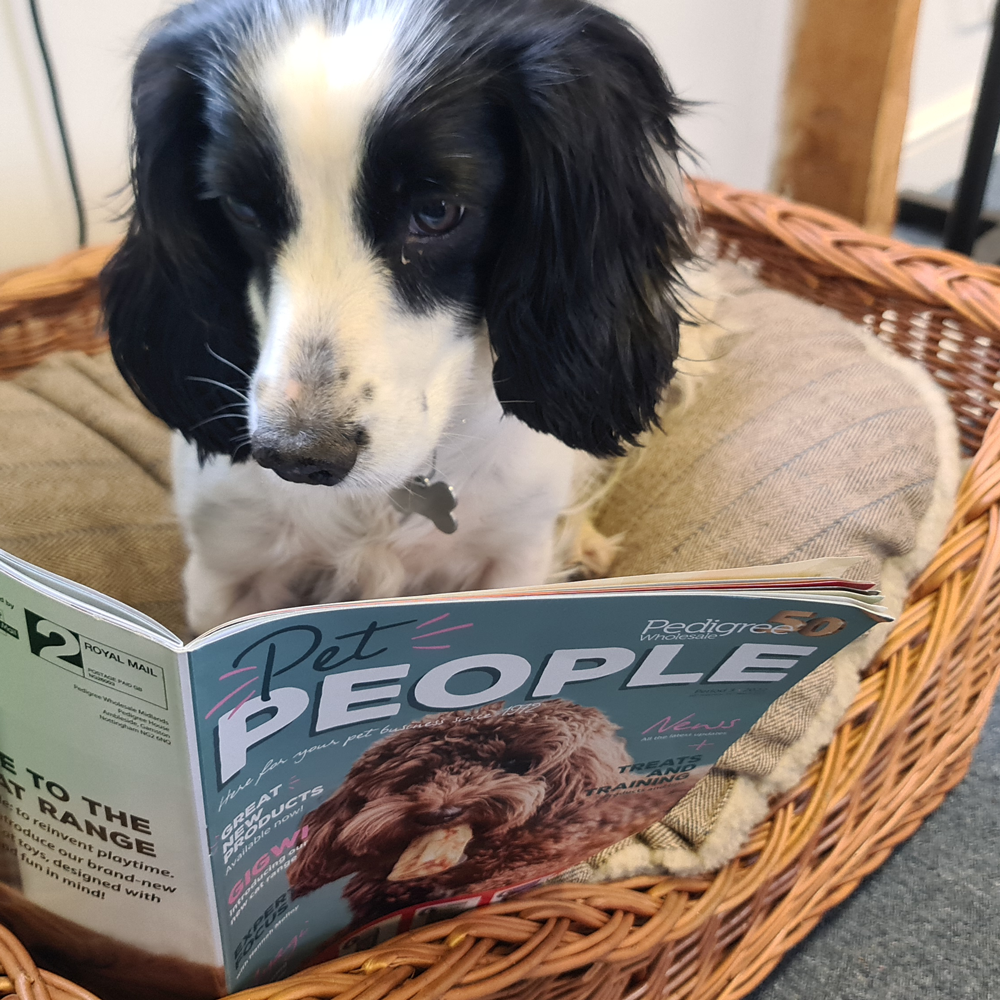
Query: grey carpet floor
[(926, 925)]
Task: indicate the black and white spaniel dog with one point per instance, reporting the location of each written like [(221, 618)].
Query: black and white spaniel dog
[(383, 251)]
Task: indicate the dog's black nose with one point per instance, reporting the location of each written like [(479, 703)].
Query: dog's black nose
[(438, 817), (328, 471)]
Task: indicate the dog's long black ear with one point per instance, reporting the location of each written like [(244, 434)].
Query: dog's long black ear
[(581, 311), (174, 293)]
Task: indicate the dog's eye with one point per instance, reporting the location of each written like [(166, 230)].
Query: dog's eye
[(435, 218), (241, 212), (518, 765)]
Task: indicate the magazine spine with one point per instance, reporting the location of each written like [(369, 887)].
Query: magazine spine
[(197, 792)]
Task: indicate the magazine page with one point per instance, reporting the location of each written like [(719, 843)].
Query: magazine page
[(102, 858), (828, 569), (370, 768), (812, 576), (92, 600)]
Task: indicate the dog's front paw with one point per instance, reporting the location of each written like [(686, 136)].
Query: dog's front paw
[(586, 553), (597, 552)]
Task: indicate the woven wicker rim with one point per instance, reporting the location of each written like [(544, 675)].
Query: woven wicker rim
[(906, 740), (936, 277)]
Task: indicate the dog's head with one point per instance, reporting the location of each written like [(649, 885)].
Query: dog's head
[(477, 778), (339, 203)]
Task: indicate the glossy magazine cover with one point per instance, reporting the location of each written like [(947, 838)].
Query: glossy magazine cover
[(369, 769)]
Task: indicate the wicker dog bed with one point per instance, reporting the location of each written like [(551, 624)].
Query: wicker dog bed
[(907, 739)]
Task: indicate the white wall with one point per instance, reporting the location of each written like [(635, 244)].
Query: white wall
[(952, 36), (732, 56), (729, 54), (91, 43)]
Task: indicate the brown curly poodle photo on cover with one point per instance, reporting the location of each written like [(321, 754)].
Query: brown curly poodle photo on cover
[(470, 801)]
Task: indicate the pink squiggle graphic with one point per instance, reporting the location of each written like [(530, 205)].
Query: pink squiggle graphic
[(432, 647), (441, 631), (232, 694), (233, 673), (433, 620), (241, 704)]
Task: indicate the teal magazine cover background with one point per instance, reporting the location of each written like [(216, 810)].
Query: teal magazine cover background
[(367, 770)]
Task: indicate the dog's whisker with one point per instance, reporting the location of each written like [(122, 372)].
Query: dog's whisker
[(218, 416), (226, 361), (221, 385), (241, 406), (701, 361), (462, 437)]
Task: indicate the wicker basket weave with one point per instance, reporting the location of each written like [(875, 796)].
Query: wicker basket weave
[(905, 742)]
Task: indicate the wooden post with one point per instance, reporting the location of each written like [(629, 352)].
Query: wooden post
[(846, 97)]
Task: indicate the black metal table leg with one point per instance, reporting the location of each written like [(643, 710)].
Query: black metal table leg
[(962, 225)]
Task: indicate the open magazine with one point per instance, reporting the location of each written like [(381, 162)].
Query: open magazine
[(303, 784)]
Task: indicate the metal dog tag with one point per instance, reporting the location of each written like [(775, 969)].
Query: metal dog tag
[(435, 501)]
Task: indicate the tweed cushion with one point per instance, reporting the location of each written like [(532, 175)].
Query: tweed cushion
[(86, 484), (792, 434)]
